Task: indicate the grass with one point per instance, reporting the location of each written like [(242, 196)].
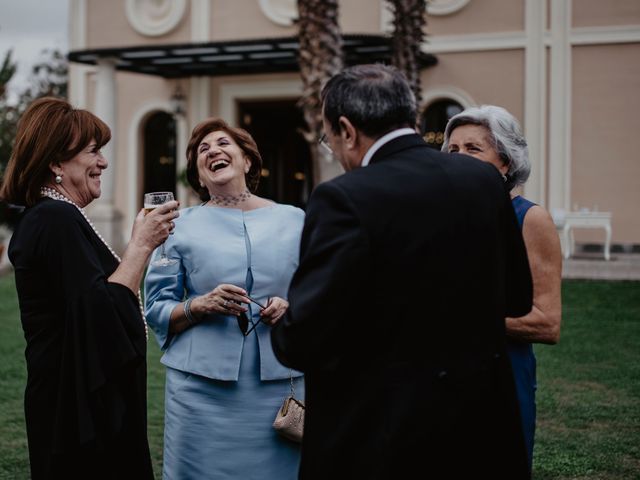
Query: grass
[(13, 441), (588, 388), (14, 457)]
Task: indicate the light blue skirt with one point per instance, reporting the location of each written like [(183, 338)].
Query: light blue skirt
[(223, 430)]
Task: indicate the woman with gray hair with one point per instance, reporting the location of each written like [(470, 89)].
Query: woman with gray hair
[(493, 135)]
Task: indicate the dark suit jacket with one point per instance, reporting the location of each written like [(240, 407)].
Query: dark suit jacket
[(408, 268)]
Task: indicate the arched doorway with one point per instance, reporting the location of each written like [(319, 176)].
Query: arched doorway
[(159, 147), (435, 118), (286, 160)]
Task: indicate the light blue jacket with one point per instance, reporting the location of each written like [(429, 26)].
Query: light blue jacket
[(216, 245)]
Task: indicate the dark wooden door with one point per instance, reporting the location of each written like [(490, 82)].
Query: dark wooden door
[(286, 159), (159, 153)]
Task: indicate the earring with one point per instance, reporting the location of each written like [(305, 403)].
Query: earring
[(58, 179)]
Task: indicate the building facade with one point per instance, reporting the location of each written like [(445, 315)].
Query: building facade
[(569, 70)]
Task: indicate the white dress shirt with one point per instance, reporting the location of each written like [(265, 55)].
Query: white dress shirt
[(384, 139)]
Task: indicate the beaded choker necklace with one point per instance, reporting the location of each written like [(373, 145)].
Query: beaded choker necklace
[(229, 200), (54, 194)]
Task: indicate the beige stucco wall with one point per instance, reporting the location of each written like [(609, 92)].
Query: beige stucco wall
[(605, 79), (107, 26), (252, 86), (588, 13), (360, 16), (480, 16), (605, 156), (488, 77), (242, 20), (232, 19)]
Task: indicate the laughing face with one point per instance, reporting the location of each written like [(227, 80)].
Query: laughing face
[(81, 175), (222, 164)]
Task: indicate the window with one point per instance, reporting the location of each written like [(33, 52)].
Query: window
[(435, 118)]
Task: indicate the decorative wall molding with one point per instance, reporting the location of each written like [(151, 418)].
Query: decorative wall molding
[(445, 7), (105, 107), (78, 74), (280, 12), (79, 78), (154, 17), (78, 24), (605, 35), (199, 100), (386, 17), (135, 162), (230, 93), (441, 92), (200, 21), (560, 107), (474, 42), (535, 96)]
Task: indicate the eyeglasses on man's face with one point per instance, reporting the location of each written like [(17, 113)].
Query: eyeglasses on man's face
[(325, 144)]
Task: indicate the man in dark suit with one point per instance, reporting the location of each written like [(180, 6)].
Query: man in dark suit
[(409, 264)]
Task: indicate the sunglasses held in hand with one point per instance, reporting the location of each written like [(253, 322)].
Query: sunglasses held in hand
[(243, 320)]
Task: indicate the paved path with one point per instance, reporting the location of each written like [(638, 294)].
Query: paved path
[(621, 266)]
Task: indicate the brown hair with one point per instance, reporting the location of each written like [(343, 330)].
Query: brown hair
[(244, 140), (49, 131)]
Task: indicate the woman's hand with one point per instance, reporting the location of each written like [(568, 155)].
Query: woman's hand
[(275, 309), (152, 229), (148, 232), (226, 299)]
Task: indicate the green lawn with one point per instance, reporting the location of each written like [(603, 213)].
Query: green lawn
[(588, 388)]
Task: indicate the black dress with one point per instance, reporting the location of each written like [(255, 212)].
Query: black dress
[(85, 400)]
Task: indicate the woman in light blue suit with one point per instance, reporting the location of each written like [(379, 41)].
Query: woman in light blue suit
[(211, 312)]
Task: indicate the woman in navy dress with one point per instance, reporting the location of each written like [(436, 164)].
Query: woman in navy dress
[(235, 252), (493, 135)]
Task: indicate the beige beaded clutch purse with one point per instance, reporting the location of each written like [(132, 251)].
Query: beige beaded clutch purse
[(289, 420)]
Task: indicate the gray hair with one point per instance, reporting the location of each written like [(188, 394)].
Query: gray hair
[(504, 134), (375, 98)]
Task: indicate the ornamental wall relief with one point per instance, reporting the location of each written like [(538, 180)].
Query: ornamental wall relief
[(280, 12), (445, 7), (155, 17)]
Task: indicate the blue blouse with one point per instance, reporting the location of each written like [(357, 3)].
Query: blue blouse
[(216, 245)]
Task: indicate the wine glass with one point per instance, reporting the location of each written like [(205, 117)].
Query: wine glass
[(153, 200)]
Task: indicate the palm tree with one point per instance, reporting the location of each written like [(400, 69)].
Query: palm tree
[(7, 70), (320, 57), (409, 33)]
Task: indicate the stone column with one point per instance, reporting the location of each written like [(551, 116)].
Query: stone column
[(535, 99), (560, 107), (106, 218)]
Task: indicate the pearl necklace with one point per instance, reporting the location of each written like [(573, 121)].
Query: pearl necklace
[(229, 200), (54, 194)]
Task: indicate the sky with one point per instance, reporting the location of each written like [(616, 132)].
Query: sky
[(28, 27)]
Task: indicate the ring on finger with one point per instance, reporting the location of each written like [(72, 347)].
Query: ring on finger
[(224, 304)]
